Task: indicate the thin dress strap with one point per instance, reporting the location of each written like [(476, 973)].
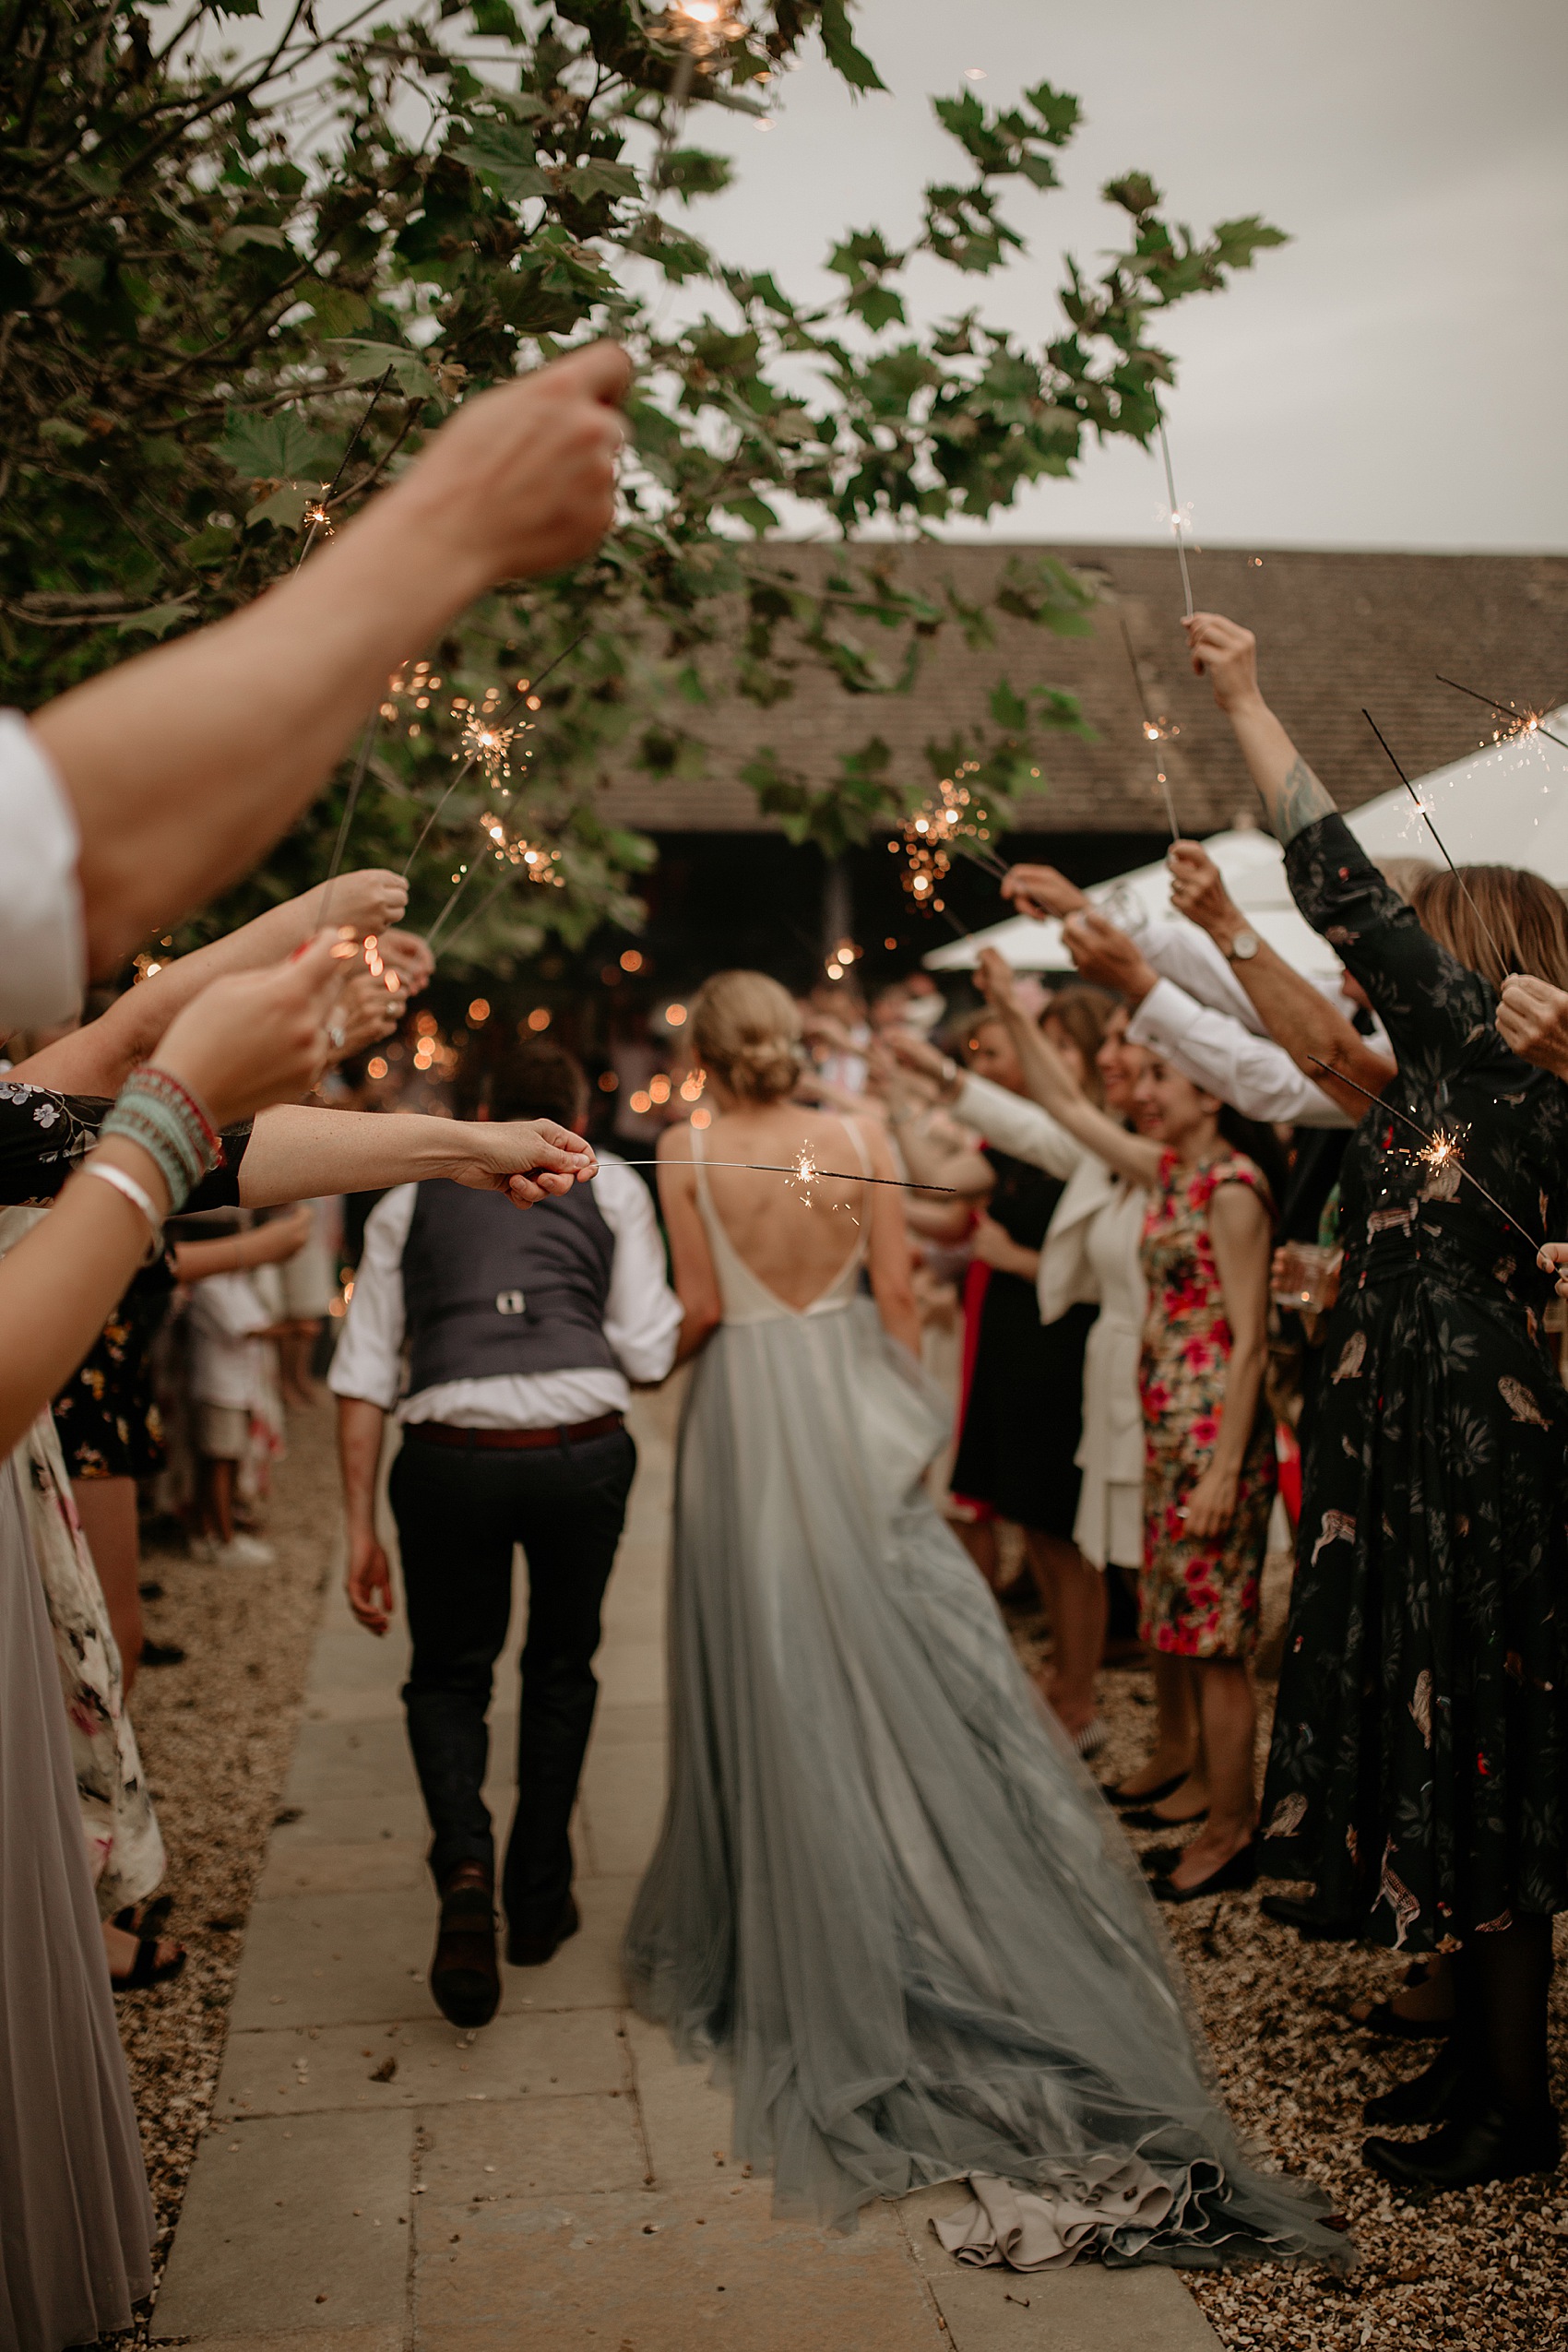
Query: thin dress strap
[(852, 1129)]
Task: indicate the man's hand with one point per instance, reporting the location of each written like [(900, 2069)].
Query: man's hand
[(528, 1160), (1041, 890), (1532, 1020), (1107, 957), (994, 977), (1198, 892), (369, 1580), (1227, 655), (522, 478), (1553, 1259)]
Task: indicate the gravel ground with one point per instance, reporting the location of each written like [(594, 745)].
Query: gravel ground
[(1487, 2269), (216, 1736)]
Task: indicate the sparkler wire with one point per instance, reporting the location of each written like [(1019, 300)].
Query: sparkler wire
[(367, 745), (1437, 837), (1161, 778), (809, 1176), (516, 704), (1175, 518), (474, 912), (1432, 1139), (1521, 719), (354, 438)]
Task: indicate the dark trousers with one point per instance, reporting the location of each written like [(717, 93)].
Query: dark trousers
[(458, 1515)]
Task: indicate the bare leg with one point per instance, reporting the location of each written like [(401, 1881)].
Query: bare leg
[(217, 1498), (120, 1949), (295, 1348), (1076, 1597), (1229, 1731), (979, 1539), (107, 1509), (1178, 1747)]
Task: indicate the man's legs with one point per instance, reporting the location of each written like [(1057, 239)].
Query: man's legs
[(569, 1525), (455, 1517)]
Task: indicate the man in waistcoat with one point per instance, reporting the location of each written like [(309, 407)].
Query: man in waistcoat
[(524, 1334)]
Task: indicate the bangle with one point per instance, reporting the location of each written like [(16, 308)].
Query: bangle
[(156, 1111), (138, 1194), (157, 1080)]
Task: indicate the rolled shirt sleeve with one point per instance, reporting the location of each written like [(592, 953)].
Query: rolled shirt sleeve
[(42, 949), (1254, 1075), (642, 1314), (368, 1360)]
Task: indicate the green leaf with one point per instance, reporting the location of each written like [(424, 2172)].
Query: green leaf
[(210, 545), (1008, 708), (337, 309), (502, 155), (497, 21), (1058, 110), (275, 449), (158, 619), (1135, 194), (694, 172), (285, 507), (237, 7), (589, 179), (754, 511), (878, 305), (838, 41), (253, 233), (363, 361)]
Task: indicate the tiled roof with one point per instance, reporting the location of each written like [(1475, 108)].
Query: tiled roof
[(1335, 632)]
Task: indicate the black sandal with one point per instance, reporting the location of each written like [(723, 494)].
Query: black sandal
[(146, 1968), (1120, 1797)]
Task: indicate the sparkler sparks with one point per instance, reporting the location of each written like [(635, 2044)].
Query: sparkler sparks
[(1426, 813), (1520, 722), (1155, 730), (951, 823), (804, 1170), (1442, 1148)]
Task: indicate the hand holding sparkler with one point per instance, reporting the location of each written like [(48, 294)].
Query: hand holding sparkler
[(1042, 891), (255, 1038), (408, 963), (1197, 891), (528, 1160), (1532, 1020), (993, 975), (1552, 1258), (368, 901), (364, 1015), (1226, 655), (1107, 956)]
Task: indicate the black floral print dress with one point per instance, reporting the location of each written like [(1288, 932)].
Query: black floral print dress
[(1420, 1763)]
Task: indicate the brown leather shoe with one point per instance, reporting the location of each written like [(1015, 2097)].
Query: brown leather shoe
[(533, 1950), (464, 1976)]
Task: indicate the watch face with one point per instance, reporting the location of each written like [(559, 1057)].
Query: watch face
[(1244, 947)]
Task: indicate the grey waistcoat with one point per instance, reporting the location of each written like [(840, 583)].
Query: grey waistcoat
[(490, 1289)]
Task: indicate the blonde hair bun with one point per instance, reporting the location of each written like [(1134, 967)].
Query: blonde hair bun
[(746, 1030)]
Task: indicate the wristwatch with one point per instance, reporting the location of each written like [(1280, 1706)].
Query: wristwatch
[(1244, 947)]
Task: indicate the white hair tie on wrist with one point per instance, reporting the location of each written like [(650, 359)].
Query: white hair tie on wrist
[(138, 1194)]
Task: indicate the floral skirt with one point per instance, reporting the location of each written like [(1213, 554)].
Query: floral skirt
[(1198, 1597)]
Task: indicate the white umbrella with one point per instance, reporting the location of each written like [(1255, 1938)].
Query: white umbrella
[(1505, 805)]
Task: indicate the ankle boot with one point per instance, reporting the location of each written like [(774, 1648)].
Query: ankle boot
[(1432, 2097), (465, 1977), (1488, 2143)]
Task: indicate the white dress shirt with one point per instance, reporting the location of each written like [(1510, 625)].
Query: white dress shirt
[(1218, 1053), (642, 1323), (42, 953)]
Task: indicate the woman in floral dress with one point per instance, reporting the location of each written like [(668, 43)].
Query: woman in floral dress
[(1420, 1765), (1209, 1463)]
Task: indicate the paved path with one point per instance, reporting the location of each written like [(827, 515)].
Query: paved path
[(351, 2195)]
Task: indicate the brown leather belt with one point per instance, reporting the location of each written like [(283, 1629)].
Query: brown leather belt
[(510, 1441)]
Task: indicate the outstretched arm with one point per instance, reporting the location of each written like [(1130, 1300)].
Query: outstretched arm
[(1053, 1085), (1226, 655), (299, 1153), (183, 765)]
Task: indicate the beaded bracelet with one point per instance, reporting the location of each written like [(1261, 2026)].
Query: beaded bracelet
[(157, 1111)]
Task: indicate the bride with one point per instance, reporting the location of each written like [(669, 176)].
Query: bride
[(886, 1900)]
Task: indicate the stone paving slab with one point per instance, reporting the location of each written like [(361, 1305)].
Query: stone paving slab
[(557, 2181)]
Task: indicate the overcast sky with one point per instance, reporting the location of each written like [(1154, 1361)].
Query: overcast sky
[(1395, 377)]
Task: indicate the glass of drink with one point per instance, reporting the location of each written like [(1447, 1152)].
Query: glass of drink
[(1306, 1278)]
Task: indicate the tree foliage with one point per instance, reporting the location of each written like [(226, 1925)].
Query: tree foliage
[(241, 280)]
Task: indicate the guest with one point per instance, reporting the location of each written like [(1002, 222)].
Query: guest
[(525, 1336), (1021, 1426), (1209, 1468), (1417, 1772), (229, 1326)]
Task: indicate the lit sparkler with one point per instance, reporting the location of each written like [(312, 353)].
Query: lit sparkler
[(701, 26), (1155, 730), (1179, 518), (804, 1171), (1426, 813), (527, 698), (948, 824), (317, 511), (1521, 723), (1441, 1148)]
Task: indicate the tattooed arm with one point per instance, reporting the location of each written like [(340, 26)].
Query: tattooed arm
[(1227, 654)]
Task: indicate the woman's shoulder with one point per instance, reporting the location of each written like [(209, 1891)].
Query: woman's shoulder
[(1232, 1167)]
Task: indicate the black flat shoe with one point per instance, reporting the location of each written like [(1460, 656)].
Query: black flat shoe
[(533, 1950), (465, 1979), (1432, 2097), (1146, 1818), (1488, 2144), (1233, 1877), (1159, 1861), (1313, 1925), (161, 1654), (1145, 1796)]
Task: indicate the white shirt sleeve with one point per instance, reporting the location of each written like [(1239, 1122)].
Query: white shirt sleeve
[(1016, 1124), (1252, 1074), (43, 952), (368, 1360), (1181, 952), (642, 1314)]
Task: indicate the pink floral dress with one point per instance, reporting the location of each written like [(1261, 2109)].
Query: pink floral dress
[(1197, 1598)]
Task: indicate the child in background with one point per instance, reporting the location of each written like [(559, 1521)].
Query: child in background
[(227, 1326)]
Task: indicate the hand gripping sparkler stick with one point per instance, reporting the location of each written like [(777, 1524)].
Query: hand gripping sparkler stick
[(1437, 837), (1440, 1149)]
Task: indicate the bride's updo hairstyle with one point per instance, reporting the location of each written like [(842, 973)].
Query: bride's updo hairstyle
[(747, 1032)]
